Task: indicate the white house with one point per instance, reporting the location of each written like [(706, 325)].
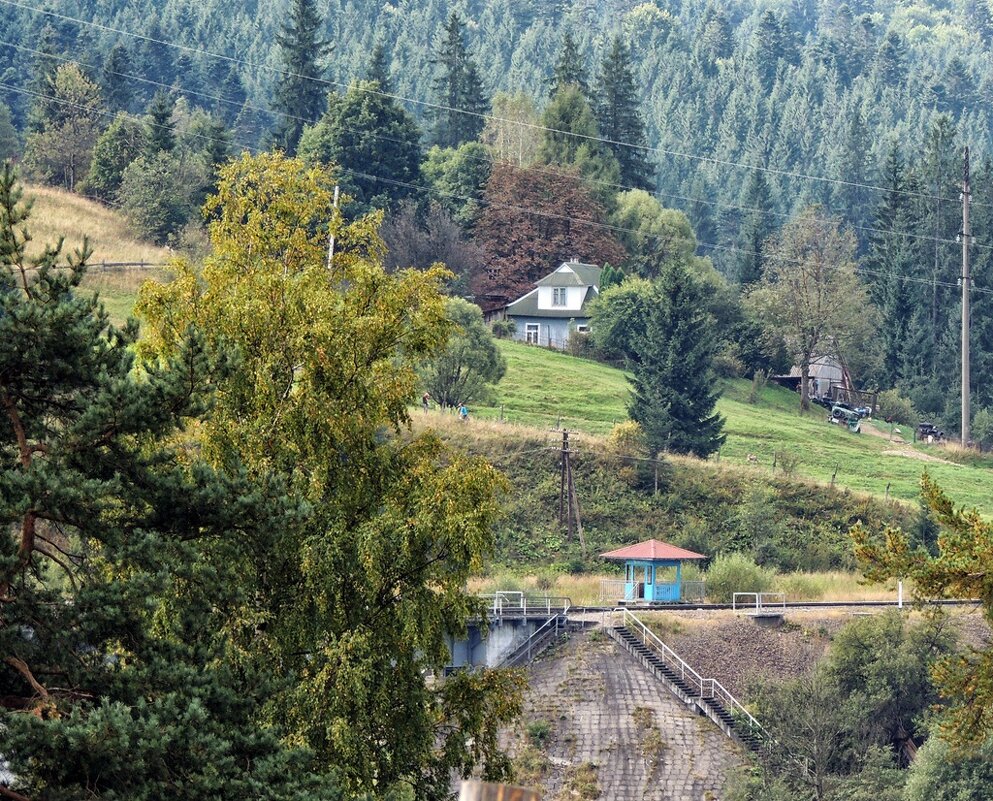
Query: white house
[(558, 305)]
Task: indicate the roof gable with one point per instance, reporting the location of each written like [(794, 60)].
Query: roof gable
[(651, 550)]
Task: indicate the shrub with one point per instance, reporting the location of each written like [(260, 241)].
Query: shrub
[(893, 406), (504, 329), (982, 429), (538, 732), (759, 380), (735, 572)]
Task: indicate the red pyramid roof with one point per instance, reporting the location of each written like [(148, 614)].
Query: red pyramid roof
[(650, 550)]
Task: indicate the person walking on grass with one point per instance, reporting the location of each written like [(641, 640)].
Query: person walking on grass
[(463, 412), (426, 401)]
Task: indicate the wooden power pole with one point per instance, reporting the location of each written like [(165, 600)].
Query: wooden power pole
[(966, 286), (568, 497)]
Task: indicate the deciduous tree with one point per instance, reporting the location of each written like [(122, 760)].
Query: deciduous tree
[(532, 221), (810, 295), (391, 524)]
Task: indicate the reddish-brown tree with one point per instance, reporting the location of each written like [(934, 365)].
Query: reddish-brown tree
[(534, 219)]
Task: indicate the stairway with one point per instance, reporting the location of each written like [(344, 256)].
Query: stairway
[(690, 688)]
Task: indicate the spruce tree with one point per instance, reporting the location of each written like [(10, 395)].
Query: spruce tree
[(161, 133), (618, 116), (674, 389), (570, 68), (300, 93), (458, 89), (378, 69), (115, 82), (756, 227)]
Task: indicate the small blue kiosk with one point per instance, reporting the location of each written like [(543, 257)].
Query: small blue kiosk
[(652, 570)]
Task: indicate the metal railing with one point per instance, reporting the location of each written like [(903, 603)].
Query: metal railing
[(549, 630), (513, 602), (761, 603), (617, 589), (707, 689)]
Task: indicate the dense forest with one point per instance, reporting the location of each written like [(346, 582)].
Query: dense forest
[(739, 114)]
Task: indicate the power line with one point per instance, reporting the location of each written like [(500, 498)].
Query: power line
[(782, 173), (506, 206)]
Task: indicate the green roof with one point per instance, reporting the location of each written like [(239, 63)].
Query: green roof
[(580, 275), (528, 307)]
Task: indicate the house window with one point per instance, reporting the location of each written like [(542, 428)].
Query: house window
[(558, 296), (531, 333), (582, 329)]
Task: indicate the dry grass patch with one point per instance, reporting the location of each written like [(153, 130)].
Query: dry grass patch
[(57, 213)]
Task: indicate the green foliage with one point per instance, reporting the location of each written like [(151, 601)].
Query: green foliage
[(375, 142), (735, 572), (982, 428), (504, 329), (458, 177), (470, 363), (115, 677), (571, 139), (9, 140), (390, 528), (618, 115), (159, 193), (893, 406), (299, 91), (161, 129), (673, 392), (121, 143), (458, 89), (67, 126), (538, 732), (940, 773), (653, 236), (958, 570), (570, 68)]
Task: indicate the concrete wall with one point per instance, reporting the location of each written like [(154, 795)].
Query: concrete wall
[(503, 637)]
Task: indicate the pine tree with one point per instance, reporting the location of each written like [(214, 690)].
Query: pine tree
[(9, 141), (115, 661), (570, 68), (44, 67), (673, 383), (161, 131), (619, 118), (458, 89), (300, 93)]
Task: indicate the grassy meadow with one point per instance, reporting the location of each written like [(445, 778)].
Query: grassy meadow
[(546, 389), (56, 213)]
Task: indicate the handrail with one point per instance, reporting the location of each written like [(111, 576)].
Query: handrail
[(666, 652), (709, 688), (535, 636), (762, 599), (505, 601)]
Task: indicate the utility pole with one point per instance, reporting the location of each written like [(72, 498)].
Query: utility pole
[(966, 286), (568, 497), (331, 229), (562, 463)]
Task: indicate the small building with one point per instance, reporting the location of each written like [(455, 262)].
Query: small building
[(652, 572), (557, 307)]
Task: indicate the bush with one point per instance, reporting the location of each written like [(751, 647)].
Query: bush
[(982, 429), (538, 732), (893, 406), (735, 572), (504, 329)]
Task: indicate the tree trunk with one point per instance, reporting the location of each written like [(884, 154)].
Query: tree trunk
[(805, 383)]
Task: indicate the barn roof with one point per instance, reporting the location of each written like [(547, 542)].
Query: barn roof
[(651, 550)]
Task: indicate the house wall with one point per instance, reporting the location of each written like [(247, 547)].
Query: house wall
[(573, 298), (552, 331)]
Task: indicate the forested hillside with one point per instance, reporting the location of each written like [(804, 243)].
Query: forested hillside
[(741, 114)]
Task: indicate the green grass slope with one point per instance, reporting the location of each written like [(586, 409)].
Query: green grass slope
[(546, 389)]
